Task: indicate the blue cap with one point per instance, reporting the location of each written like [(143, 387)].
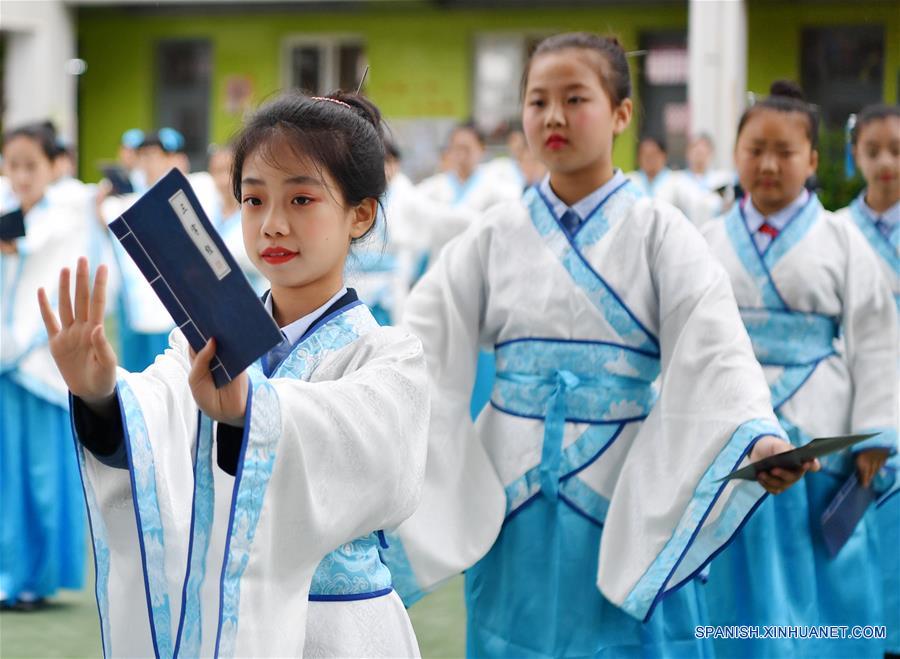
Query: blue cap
[(168, 139), (132, 138)]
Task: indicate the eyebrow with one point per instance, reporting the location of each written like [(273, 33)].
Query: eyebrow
[(574, 85), (306, 180)]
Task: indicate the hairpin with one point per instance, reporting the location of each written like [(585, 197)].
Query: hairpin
[(331, 100)]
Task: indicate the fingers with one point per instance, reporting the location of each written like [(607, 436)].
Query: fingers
[(47, 314), (65, 300), (201, 362), (98, 297), (102, 347), (82, 290)]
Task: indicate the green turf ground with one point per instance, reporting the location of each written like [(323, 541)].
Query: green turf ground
[(68, 627)]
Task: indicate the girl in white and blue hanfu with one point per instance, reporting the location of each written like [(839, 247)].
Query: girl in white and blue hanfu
[(42, 523), (585, 498), (246, 521), (824, 327), (876, 212)]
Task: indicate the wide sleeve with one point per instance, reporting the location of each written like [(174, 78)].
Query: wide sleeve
[(670, 513), (140, 516), (869, 323), (323, 463), (463, 502)]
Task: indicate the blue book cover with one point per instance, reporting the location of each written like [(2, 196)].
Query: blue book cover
[(844, 512), (176, 248)]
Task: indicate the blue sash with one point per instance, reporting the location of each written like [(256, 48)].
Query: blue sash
[(560, 381), (796, 341)]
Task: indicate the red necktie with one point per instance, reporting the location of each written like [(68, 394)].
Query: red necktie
[(769, 230)]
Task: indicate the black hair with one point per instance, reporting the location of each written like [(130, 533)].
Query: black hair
[(614, 76), (471, 126), (872, 113), (705, 137), (658, 141), (786, 96), (42, 132), (391, 150), (340, 133)]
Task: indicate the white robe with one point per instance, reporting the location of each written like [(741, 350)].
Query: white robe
[(820, 267), (683, 191), (56, 235), (483, 189), (327, 456), (515, 276)]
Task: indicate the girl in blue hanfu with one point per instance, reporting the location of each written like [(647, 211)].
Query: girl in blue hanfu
[(583, 501), (42, 525), (244, 521), (824, 327), (876, 211)]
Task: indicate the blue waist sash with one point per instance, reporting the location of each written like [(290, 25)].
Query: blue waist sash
[(353, 571), (790, 338), (572, 381)]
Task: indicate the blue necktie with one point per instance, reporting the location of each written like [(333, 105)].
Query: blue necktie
[(883, 227), (570, 221)]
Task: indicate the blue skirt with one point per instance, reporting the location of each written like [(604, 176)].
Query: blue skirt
[(778, 572), (888, 518), (534, 595), (42, 526), (138, 349)]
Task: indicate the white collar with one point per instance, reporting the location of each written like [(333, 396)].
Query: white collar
[(293, 331), (582, 207), (778, 219)]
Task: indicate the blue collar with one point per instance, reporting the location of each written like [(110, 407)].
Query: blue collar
[(890, 217), (778, 219), (585, 206)]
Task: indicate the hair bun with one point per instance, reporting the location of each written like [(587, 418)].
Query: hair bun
[(363, 107), (787, 89)]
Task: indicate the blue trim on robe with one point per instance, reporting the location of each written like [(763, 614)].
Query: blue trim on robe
[(333, 332), (100, 538), (570, 254), (149, 521), (652, 586), (742, 240), (888, 249), (189, 636)]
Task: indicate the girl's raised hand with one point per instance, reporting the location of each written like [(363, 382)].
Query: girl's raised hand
[(77, 342), (777, 480), (225, 405)]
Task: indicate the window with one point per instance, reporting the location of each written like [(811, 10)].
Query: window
[(322, 64), (499, 64), (842, 69), (182, 98), (662, 81)]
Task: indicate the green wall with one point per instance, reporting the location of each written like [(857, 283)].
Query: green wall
[(774, 28), (420, 58)]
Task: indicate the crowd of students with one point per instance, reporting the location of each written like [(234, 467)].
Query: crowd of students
[(535, 370)]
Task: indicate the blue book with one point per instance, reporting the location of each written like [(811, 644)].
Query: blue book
[(176, 248), (844, 512)]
